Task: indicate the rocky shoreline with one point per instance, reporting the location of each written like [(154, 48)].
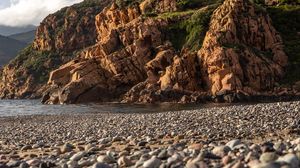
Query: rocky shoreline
[(258, 135), (155, 51)]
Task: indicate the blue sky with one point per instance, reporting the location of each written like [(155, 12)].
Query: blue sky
[(24, 12), (4, 3)]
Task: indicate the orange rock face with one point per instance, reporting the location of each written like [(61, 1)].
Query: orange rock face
[(134, 62), (126, 43), (68, 30), (61, 34), (127, 56), (241, 50)]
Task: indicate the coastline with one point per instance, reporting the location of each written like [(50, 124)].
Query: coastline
[(112, 139)]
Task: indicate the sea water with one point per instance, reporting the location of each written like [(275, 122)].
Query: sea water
[(35, 107)]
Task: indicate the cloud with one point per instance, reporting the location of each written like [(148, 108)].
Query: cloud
[(25, 12), (4, 3)]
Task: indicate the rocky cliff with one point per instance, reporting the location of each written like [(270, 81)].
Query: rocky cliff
[(160, 51), (241, 50), (57, 39)]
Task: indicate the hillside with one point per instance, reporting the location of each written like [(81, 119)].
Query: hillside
[(160, 51), (9, 48), (9, 30), (26, 37)]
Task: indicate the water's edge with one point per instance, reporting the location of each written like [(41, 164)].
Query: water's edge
[(35, 107), (25, 107)]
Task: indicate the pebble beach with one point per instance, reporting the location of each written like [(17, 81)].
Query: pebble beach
[(239, 136)]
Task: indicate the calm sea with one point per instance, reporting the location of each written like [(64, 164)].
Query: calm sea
[(34, 107)]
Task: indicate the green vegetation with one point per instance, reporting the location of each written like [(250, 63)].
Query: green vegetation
[(192, 4), (286, 20), (37, 63), (190, 33), (170, 15), (125, 3), (289, 2), (82, 9)]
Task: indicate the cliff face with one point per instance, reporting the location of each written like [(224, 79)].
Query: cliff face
[(153, 51), (241, 50), (126, 42), (69, 29), (134, 60), (57, 39)]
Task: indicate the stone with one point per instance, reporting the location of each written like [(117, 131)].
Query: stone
[(13, 163), (78, 156), (33, 162), (268, 157), (220, 151), (152, 163), (142, 143), (196, 164), (279, 147), (231, 144), (238, 164), (105, 159), (101, 165), (67, 148), (85, 163), (43, 165), (173, 159), (163, 154), (291, 159), (197, 146), (3, 166), (24, 165), (124, 161), (266, 165), (226, 160), (26, 147)]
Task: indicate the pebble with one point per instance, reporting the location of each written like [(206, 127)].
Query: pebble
[(231, 144), (77, 156), (291, 159), (152, 163), (226, 160), (106, 159), (124, 161), (24, 165), (220, 151), (26, 147), (100, 165), (268, 157), (33, 162), (67, 148), (205, 137)]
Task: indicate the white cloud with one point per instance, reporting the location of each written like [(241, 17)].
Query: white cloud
[(24, 12)]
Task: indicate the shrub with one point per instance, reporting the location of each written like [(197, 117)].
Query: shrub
[(37, 63), (192, 4), (125, 3), (286, 20), (190, 33)]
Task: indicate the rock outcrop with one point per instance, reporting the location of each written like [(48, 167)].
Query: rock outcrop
[(69, 29), (58, 37), (241, 50), (133, 60), (127, 55), (126, 42)]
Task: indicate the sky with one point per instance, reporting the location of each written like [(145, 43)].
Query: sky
[(24, 12)]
